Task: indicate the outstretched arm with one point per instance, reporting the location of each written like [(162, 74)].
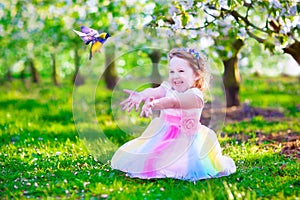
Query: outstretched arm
[(135, 98), (183, 101)]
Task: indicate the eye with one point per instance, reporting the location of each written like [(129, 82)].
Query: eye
[(171, 72), (181, 70)]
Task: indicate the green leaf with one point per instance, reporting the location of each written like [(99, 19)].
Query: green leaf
[(184, 19)]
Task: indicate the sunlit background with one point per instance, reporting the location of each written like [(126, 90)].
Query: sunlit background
[(40, 32)]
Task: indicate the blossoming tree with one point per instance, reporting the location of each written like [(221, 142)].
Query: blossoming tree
[(274, 24)]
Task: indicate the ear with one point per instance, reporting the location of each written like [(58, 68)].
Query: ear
[(195, 76)]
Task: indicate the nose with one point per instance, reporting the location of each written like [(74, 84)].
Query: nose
[(176, 75)]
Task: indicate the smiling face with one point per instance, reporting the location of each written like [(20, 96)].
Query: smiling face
[(181, 75)]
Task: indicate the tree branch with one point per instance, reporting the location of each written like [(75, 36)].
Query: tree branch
[(237, 16), (258, 39), (210, 14)]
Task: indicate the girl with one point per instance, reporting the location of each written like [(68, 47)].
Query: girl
[(174, 145)]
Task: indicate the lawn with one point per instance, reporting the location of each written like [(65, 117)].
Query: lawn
[(43, 156)]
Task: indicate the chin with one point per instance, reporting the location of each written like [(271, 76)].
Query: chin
[(179, 89)]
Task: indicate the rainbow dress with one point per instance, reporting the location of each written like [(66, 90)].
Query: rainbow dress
[(174, 145)]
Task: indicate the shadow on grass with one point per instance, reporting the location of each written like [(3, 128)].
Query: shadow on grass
[(63, 116), (24, 104)]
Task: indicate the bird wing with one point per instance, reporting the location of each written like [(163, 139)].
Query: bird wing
[(85, 37), (89, 31)]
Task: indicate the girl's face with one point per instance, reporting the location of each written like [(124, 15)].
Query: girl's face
[(181, 75)]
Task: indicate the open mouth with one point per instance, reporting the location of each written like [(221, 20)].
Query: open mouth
[(177, 83)]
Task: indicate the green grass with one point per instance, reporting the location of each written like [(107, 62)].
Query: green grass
[(41, 154), (278, 92)]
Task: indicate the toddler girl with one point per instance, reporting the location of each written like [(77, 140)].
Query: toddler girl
[(175, 144)]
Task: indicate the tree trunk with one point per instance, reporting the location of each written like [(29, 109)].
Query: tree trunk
[(294, 51), (8, 75), (110, 73), (34, 74), (23, 74), (156, 79), (54, 71), (231, 76), (77, 78), (231, 80)]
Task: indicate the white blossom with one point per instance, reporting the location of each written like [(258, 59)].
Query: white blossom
[(169, 33), (198, 4), (172, 10), (177, 22), (149, 8), (191, 22), (293, 10), (220, 47), (187, 4), (275, 4), (193, 34), (160, 22), (212, 33), (242, 33), (283, 12), (223, 4)]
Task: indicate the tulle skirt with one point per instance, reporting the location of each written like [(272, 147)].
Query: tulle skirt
[(165, 150)]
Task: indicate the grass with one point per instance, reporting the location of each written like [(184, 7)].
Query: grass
[(43, 156), (278, 92)]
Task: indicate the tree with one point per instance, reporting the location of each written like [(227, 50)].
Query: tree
[(227, 46), (110, 74), (18, 20), (231, 76), (272, 23), (34, 74), (155, 56)]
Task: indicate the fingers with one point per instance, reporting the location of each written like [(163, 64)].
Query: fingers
[(131, 107), (144, 113), (128, 91), (146, 110), (148, 113), (125, 101), (131, 99), (126, 106), (137, 105), (129, 104)]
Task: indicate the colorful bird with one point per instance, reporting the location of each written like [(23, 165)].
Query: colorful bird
[(90, 35)]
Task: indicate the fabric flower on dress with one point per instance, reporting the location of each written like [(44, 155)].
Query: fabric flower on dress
[(189, 123)]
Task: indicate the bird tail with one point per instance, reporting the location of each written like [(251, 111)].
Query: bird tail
[(91, 53)]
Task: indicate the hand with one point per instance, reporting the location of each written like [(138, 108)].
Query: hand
[(134, 100), (147, 107)]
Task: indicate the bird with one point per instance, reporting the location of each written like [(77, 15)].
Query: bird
[(89, 35)]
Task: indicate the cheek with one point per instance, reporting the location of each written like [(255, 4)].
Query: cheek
[(170, 77), (192, 78)]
